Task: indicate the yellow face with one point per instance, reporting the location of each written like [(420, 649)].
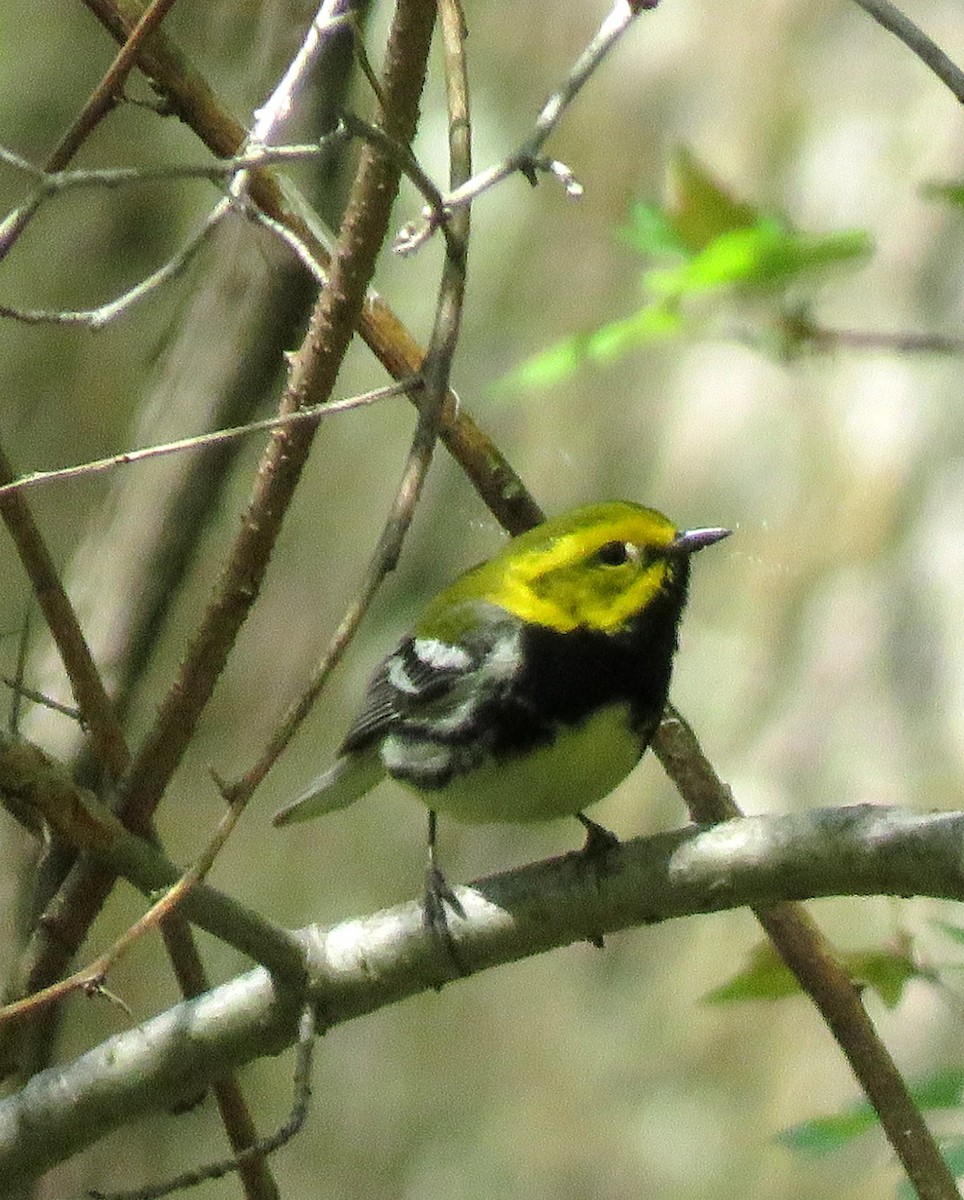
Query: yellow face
[(594, 567)]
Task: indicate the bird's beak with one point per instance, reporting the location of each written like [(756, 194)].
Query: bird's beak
[(688, 541)]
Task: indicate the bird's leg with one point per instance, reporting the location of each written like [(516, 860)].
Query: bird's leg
[(437, 895)]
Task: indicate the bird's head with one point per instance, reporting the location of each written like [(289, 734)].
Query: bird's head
[(597, 567)]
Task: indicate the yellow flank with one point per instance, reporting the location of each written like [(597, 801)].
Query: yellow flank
[(554, 575)]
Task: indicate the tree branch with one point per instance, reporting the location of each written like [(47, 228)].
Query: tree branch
[(362, 965)]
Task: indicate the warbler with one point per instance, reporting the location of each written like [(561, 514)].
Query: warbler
[(533, 684)]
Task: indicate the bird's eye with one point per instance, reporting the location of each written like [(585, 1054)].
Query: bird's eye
[(614, 554)]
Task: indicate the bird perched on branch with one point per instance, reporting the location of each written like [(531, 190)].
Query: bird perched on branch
[(532, 685)]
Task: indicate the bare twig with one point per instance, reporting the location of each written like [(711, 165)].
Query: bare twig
[(22, 692), (98, 105), (824, 338), (85, 680), (216, 171), (406, 160), (330, 18), (527, 157), (97, 318), (39, 791), (914, 38), (17, 684), (129, 457), (262, 1147)]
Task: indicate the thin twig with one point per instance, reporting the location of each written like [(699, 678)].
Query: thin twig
[(867, 339), (98, 104), (216, 171), (22, 692), (403, 155), (128, 457), (17, 683), (97, 318), (85, 681), (39, 792), (914, 38), (304, 249), (301, 1080), (526, 158), (330, 18)]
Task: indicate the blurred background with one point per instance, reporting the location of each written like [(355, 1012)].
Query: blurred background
[(822, 659)]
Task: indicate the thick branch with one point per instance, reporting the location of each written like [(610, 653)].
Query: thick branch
[(362, 965)]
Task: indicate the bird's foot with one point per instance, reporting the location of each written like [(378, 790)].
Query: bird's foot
[(438, 895)]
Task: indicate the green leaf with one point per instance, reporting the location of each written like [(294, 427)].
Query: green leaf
[(952, 193), (560, 362), (826, 1135), (943, 1089), (652, 232), (702, 209), (887, 971), (765, 977), (716, 242), (762, 257)]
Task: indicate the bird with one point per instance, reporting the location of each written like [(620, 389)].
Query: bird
[(531, 686)]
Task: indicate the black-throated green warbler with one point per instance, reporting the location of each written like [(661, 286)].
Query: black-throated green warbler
[(533, 684)]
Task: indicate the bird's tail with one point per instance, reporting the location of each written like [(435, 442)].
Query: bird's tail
[(345, 781)]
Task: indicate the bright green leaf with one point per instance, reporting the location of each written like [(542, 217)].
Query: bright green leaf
[(651, 232), (554, 365), (761, 257), (560, 362), (647, 325)]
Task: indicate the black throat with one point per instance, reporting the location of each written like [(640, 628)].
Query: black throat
[(567, 676)]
